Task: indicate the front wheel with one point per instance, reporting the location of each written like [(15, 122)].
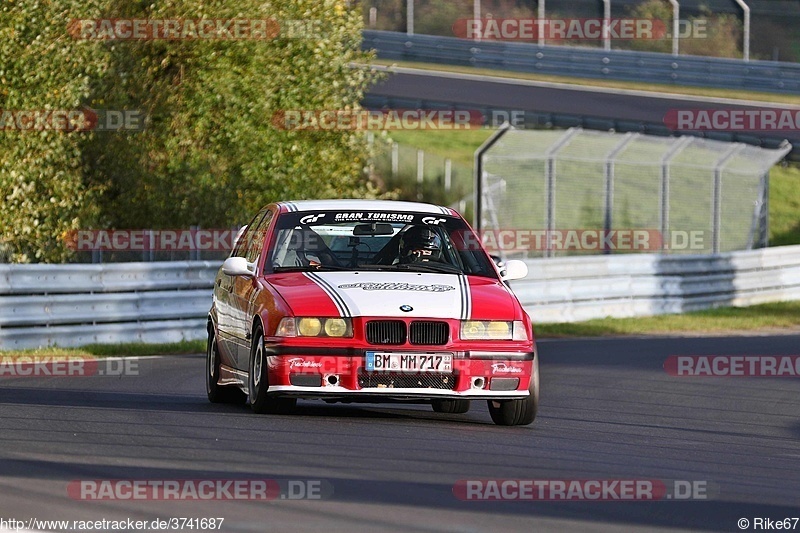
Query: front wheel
[(518, 412), (258, 378), (217, 393)]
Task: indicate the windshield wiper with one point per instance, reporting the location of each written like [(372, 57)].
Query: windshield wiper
[(373, 267), (444, 268), (309, 268)]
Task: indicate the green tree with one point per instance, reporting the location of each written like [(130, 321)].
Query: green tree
[(210, 154), (722, 33), (44, 192)]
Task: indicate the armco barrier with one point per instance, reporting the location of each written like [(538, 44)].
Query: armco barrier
[(581, 288), (74, 305), (648, 67)]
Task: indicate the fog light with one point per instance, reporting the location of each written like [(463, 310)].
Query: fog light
[(305, 380), (504, 384)]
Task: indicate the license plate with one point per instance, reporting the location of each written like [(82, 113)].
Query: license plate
[(405, 362)]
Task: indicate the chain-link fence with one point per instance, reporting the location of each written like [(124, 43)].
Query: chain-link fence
[(551, 193)]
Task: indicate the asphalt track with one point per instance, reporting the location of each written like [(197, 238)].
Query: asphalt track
[(407, 86), (608, 411)]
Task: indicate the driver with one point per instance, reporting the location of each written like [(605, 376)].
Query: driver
[(419, 244)]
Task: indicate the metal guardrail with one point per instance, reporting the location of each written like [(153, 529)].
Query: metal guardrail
[(111, 277), (74, 305), (581, 288), (649, 67)]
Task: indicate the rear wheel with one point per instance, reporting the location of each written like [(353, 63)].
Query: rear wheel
[(450, 406), (217, 393), (518, 412), (260, 401)]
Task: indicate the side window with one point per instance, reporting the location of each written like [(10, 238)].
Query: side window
[(244, 241), (256, 242)]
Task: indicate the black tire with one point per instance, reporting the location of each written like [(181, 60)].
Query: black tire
[(217, 393), (451, 406), (258, 382), (518, 412)]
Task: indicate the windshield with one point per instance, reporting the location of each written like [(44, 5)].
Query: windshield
[(337, 240)]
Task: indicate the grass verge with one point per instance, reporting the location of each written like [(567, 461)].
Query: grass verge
[(113, 350), (733, 94), (774, 317)]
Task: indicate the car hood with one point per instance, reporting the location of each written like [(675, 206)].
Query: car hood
[(395, 294)]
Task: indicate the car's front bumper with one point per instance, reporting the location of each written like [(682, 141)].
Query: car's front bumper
[(340, 374)]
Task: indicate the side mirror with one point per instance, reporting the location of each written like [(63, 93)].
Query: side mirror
[(237, 266), (515, 269)]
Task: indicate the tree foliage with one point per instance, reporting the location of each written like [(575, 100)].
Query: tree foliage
[(42, 186), (720, 34), (210, 154)]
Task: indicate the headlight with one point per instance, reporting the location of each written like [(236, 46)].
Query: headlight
[(335, 327), (314, 327), (309, 327), (489, 330)]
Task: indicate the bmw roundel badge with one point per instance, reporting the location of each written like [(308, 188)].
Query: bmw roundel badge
[(406, 308)]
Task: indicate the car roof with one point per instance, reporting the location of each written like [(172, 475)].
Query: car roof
[(370, 205)]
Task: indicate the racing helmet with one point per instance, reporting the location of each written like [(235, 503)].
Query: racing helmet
[(420, 244)]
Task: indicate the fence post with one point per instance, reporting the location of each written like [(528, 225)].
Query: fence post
[(541, 41), (676, 20), (476, 15), (609, 179), (550, 185), (606, 24), (478, 173), (746, 24), (448, 174)]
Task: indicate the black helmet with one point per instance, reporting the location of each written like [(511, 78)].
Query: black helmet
[(420, 244)]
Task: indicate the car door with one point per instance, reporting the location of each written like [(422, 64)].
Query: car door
[(245, 291), (227, 316)]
